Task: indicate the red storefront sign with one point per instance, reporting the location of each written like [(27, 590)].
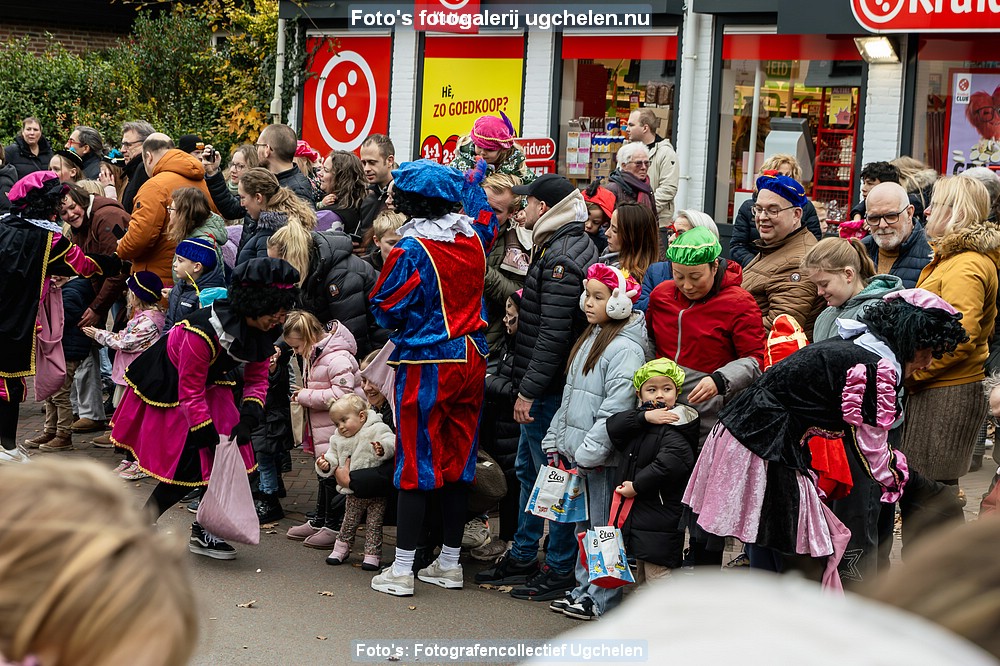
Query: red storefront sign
[(928, 15), (537, 150), (347, 96), (446, 16)]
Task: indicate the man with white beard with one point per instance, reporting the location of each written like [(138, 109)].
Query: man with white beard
[(897, 244)]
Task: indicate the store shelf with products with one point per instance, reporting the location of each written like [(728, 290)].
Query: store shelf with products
[(836, 142)]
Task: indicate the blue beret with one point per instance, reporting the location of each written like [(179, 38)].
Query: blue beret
[(430, 179), (787, 188)]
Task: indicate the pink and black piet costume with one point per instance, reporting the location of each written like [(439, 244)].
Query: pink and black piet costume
[(179, 394), (32, 248), (796, 433)]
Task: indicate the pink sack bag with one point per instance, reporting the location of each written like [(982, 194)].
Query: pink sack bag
[(50, 362), (227, 509)]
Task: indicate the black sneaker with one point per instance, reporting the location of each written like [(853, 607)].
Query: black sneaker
[(205, 543), (193, 495), (193, 505), (545, 585), (561, 604), (508, 571), (581, 610)]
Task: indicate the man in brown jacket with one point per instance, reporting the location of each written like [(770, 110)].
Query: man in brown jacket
[(774, 277), (146, 244)]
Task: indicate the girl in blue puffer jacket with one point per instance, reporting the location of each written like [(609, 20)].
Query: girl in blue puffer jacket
[(598, 384)]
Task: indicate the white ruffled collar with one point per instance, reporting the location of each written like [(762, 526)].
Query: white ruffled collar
[(441, 229)]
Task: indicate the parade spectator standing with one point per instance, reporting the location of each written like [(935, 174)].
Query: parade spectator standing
[(68, 165), (664, 173), (873, 174), (508, 261), (629, 182), (440, 348), (134, 133), (378, 158), (492, 139), (30, 151), (32, 248), (741, 245), (918, 179), (945, 408), (550, 319), (897, 243), (344, 186), (147, 243), (662, 271), (773, 277), (88, 144), (192, 145)]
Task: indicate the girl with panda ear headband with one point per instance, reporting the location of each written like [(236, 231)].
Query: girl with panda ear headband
[(598, 384)]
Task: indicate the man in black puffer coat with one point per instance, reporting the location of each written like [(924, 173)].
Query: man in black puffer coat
[(550, 321), (338, 286)]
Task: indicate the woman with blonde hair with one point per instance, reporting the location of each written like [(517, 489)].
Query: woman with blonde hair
[(335, 283), (270, 207), (918, 179), (84, 578), (946, 407), (742, 246)]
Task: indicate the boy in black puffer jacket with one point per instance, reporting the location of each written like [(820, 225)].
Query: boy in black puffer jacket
[(658, 441)]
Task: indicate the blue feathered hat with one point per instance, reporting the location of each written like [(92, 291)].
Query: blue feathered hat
[(430, 179)]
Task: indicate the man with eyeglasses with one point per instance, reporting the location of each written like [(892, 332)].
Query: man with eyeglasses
[(133, 134), (630, 181), (897, 244), (88, 144), (773, 276), (664, 173)]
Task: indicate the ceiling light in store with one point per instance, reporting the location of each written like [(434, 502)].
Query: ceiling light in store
[(877, 49)]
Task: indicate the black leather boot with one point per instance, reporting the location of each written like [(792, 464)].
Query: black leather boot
[(268, 508)]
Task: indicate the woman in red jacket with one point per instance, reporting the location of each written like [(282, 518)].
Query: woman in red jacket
[(710, 326)]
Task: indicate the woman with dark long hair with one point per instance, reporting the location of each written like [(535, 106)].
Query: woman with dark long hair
[(345, 186), (633, 240)]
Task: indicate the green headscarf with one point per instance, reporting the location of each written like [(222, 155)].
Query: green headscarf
[(694, 247), (659, 367)]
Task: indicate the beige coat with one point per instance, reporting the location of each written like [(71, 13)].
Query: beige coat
[(777, 284)]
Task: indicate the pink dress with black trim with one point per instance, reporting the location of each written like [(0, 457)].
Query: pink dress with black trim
[(755, 480), (179, 385)]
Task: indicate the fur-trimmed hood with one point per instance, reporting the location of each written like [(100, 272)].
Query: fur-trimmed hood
[(981, 237)]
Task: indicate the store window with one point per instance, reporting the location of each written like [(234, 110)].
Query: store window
[(605, 78), (802, 85), (956, 117)]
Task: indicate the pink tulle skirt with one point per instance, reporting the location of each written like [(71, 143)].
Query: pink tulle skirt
[(157, 435)]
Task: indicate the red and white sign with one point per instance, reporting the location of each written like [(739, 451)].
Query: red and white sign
[(928, 15), (347, 96), (446, 16), (540, 149)]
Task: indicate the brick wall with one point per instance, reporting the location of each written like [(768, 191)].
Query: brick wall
[(883, 112), (74, 39), (538, 101)]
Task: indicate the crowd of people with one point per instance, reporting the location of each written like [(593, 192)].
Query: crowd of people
[(406, 321)]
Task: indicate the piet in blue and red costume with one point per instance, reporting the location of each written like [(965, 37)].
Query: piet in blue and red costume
[(430, 292)]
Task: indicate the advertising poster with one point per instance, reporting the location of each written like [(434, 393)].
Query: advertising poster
[(973, 126), (346, 95), (464, 78)]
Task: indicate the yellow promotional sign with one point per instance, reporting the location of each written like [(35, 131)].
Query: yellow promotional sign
[(459, 90)]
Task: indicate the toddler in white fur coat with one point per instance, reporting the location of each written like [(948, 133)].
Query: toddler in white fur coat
[(363, 437)]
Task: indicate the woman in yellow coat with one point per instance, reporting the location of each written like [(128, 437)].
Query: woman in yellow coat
[(946, 407)]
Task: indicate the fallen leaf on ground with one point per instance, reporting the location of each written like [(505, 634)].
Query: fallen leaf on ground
[(412, 607), (325, 593), (268, 526), (321, 638), (505, 588), (271, 532), (248, 604)]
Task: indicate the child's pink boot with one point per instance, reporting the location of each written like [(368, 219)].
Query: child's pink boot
[(371, 563), (341, 551)]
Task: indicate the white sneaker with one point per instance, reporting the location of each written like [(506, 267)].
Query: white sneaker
[(400, 586), (476, 533), (15, 455), (450, 579)]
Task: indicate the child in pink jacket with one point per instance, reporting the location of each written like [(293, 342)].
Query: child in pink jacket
[(329, 372)]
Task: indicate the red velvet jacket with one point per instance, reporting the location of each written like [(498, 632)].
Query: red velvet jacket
[(707, 334)]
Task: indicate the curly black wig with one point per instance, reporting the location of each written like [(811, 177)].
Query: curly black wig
[(255, 300), (908, 329), (418, 205)]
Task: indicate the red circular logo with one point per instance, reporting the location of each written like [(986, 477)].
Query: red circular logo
[(963, 84), (345, 100)]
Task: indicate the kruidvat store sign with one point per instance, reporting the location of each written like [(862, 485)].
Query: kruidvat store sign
[(928, 15)]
